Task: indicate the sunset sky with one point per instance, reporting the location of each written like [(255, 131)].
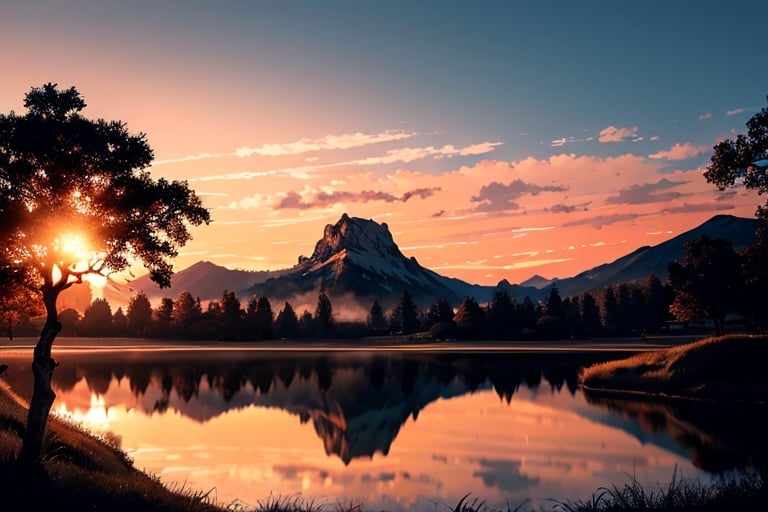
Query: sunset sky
[(496, 139)]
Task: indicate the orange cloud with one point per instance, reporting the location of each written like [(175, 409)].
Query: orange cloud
[(680, 152)]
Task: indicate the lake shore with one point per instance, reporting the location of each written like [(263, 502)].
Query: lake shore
[(393, 343)]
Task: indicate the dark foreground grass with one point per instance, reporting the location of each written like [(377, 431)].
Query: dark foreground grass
[(81, 471)]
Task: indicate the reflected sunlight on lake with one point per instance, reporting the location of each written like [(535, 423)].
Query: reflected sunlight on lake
[(393, 430)]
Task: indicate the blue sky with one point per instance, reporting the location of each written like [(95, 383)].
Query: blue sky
[(496, 139)]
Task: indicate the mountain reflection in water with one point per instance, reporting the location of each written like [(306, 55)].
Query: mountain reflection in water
[(549, 443)]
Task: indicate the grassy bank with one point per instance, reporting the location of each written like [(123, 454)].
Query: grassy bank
[(79, 471), (722, 368)]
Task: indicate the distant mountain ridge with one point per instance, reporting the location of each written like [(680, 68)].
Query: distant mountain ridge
[(358, 258)]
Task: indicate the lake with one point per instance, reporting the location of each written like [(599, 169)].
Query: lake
[(401, 430)]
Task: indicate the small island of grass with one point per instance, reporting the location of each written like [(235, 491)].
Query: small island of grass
[(728, 367)]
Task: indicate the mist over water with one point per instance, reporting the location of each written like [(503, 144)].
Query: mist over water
[(394, 430)]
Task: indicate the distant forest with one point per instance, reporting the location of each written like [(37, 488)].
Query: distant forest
[(713, 283)]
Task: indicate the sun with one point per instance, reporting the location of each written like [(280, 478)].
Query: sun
[(75, 247)]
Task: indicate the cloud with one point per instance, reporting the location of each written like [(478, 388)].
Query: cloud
[(496, 196), (504, 474), (704, 116), (602, 220), (680, 152), (322, 199), (329, 142), (563, 208), (614, 134), (558, 142), (735, 112), (698, 207), (647, 193), (406, 155)]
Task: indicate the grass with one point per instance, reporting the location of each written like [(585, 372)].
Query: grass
[(720, 368), (81, 471)]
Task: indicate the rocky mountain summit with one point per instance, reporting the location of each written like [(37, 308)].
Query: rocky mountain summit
[(359, 257)]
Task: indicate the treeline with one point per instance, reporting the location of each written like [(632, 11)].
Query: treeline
[(625, 309), (712, 281), (185, 318)]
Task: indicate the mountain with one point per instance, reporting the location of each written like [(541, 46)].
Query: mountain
[(538, 282), (358, 259), (203, 279), (654, 260)]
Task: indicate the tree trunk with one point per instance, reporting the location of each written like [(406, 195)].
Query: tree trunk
[(42, 395)]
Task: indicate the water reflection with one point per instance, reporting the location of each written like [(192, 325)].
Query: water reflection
[(356, 403), (395, 430), (716, 436)]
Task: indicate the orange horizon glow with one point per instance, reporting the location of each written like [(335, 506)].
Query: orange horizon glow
[(502, 157)]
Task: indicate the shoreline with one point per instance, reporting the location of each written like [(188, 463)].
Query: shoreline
[(388, 343)]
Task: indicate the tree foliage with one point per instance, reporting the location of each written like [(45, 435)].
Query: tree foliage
[(323, 320), (739, 161), (139, 314), (97, 319), (707, 281), (76, 198)]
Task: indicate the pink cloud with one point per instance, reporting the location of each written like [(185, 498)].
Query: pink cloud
[(323, 199), (614, 134), (707, 115), (680, 152)]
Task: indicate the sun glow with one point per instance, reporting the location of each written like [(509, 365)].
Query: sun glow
[(75, 246), (97, 417)]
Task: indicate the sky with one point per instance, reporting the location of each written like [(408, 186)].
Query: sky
[(497, 139)]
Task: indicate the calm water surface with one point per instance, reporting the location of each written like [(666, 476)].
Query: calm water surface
[(393, 430)]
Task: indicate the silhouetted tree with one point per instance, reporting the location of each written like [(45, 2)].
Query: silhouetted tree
[(76, 199), (608, 310), (18, 302), (287, 323), (407, 318), (186, 311), (590, 314), (97, 320), (502, 315), (230, 307), (324, 316), (119, 323), (139, 314), (229, 315), (264, 319), (439, 312), (554, 303), (753, 302), (163, 316), (470, 318), (69, 319), (742, 161), (306, 324), (528, 314), (707, 282), (376, 321), (658, 299)]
